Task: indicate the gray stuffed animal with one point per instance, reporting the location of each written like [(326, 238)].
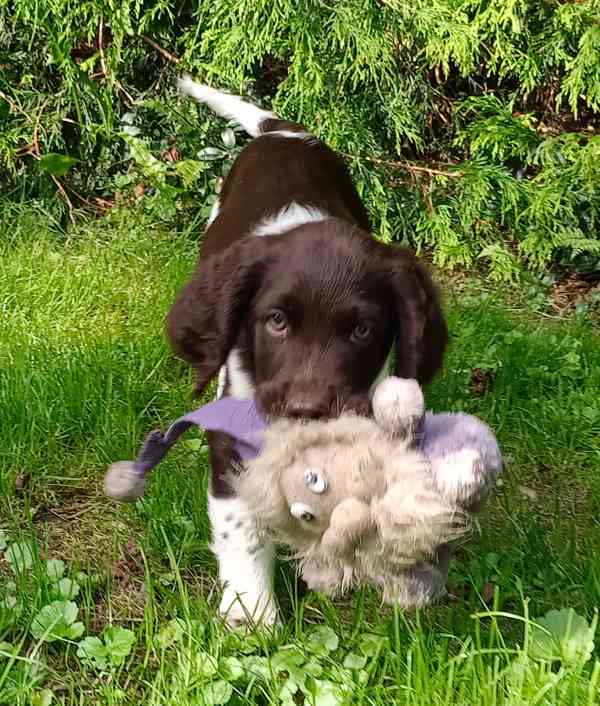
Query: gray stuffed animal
[(359, 500), (374, 500)]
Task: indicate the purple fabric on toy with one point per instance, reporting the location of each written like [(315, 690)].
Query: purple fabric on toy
[(438, 436), (448, 432), (238, 418)]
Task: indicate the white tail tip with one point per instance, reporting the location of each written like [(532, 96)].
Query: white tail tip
[(249, 116)]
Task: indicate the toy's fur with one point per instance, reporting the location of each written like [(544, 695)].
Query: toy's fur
[(380, 518), (393, 493)]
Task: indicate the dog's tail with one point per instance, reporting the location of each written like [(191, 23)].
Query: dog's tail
[(252, 118)]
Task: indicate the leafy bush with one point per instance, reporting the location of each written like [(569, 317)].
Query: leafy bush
[(469, 124)]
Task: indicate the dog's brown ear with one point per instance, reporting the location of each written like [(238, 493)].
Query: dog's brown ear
[(205, 319), (422, 332)]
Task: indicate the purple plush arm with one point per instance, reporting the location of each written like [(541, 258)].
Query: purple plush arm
[(126, 480), (464, 455)]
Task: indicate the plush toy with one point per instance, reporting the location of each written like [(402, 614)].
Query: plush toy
[(358, 500)]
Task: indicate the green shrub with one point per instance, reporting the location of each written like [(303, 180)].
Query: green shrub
[(468, 124)]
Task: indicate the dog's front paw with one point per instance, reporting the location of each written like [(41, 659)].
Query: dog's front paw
[(248, 609), (246, 559)]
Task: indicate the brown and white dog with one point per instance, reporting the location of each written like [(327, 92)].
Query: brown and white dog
[(294, 302)]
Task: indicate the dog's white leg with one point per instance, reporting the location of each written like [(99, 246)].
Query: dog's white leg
[(246, 560), (227, 106), (246, 557)]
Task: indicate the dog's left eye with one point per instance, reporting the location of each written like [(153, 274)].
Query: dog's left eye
[(361, 332), (277, 323)]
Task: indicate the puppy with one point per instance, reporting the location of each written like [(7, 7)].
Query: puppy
[(294, 302)]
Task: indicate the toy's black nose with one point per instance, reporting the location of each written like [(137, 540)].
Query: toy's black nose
[(305, 408)]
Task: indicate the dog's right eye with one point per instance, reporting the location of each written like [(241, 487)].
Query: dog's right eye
[(361, 332), (277, 323)]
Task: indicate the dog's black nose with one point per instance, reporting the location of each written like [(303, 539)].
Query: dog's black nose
[(303, 408)]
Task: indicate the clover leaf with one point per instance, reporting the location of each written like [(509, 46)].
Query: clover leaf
[(323, 638), (55, 569), (313, 668), (371, 644), (56, 621), (6, 650), (112, 650), (562, 635), (257, 666), (291, 662), (232, 668), (287, 693), (171, 633), (327, 693), (119, 643), (217, 692), (42, 698), (67, 589), (206, 665), (354, 661), (92, 651), (20, 556)]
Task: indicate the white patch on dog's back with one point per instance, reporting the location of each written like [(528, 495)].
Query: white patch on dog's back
[(222, 380), (289, 133), (293, 134), (291, 216)]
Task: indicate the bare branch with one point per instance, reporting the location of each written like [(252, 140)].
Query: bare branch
[(406, 166), (168, 56)]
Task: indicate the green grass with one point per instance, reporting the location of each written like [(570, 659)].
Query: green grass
[(85, 373)]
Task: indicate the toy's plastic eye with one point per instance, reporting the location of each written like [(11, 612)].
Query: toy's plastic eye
[(315, 481), (302, 512)]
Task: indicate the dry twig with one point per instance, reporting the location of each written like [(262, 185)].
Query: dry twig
[(124, 91), (101, 45), (13, 106), (407, 166), (167, 54)]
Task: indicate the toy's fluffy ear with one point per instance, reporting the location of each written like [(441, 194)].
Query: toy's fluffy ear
[(349, 522), (205, 319)]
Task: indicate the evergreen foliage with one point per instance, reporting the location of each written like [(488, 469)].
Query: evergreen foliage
[(471, 126)]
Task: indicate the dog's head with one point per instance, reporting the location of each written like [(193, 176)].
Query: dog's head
[(314, 315)]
